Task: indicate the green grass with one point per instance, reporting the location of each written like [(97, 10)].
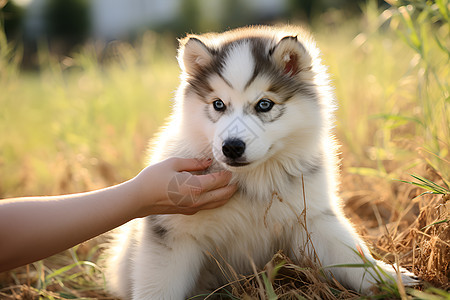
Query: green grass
[(81, 123), (79, 117), (394, 95)]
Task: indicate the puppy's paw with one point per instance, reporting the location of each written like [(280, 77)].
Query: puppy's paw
[(408, 278)]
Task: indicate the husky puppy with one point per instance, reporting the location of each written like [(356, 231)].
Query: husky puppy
[(258, 101)]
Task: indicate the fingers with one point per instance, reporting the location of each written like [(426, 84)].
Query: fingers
[(213, 181), (190, 164), (186, 189), (211, 199), (191, 193), (205, 182), (216, 198)]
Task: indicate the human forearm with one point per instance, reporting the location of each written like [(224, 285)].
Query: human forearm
[(48, 225)]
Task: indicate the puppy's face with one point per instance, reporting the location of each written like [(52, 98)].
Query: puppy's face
[(249, 96)]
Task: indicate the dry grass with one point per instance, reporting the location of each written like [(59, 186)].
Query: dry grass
[(393, 121), (413, 231)]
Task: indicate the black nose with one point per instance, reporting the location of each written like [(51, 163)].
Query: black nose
[(233, 148)]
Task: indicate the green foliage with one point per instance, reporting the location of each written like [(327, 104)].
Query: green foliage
[(69, 124), (394, 105), (429, 185), (425, 27), (432, 188), (268, 279), (268, 288)]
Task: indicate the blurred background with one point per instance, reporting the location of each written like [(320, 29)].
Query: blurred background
[(84, 85), (76, 20), (64, 25)]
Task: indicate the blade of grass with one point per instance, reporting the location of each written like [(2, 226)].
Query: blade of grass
[(436, 223), (269, 288), (67, 268)]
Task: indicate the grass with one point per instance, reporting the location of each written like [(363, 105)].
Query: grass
[(83, 122), (75, 119)]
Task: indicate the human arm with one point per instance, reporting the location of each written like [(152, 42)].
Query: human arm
[(33, 228)]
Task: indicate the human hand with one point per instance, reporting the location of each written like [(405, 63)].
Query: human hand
[(169, 188), (163, 188)]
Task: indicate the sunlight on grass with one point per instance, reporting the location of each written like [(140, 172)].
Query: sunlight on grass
[(80, 124), (84, 121)]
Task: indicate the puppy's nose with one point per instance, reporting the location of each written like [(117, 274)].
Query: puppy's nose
[(233, 148)]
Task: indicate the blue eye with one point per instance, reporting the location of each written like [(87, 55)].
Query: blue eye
[(219, 105), (264, 105)]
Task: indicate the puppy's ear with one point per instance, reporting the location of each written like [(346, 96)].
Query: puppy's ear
[(193, 55), (291, 56)]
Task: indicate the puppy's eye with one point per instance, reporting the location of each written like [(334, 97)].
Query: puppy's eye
[(219, 105), (264, 105)]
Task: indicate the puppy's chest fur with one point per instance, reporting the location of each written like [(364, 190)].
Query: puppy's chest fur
[(244, 228)]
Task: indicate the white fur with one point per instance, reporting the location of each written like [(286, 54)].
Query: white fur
[(239, 66), (265, 215)]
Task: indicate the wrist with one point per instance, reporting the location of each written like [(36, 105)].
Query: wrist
[(140, 191), (126, 199)]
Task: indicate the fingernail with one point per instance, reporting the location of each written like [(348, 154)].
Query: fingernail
[(206, 160)]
